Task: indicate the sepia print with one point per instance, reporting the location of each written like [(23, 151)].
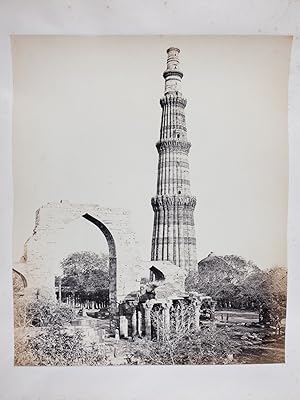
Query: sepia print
[(196, 296)]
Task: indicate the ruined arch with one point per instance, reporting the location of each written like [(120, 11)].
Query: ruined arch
[(156, 274), (40, 259), (112, 254), (19, 282)]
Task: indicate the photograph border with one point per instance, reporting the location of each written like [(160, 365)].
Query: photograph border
[(212, 17)]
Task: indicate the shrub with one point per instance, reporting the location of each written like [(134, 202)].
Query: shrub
[(44, 313), (22, 354), (209, 345), (42, 338), (58, 347)]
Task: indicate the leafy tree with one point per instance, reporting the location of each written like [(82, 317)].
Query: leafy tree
[(233, 280), (268, 289), (86, 274), (274, 298), (222, 277)]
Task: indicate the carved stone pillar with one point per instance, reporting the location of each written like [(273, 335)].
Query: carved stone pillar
[(123, 326), (148, 307), (177, 318), (139, 323), (134, 323), (166, 312), (158, 326), (59, 289), (213, 309), (197, 306)]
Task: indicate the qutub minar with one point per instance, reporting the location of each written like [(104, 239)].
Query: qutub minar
[(173, 231)]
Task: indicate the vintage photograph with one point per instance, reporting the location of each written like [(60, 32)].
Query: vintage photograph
[(150, 199)]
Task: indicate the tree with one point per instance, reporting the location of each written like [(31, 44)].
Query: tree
[(86, 274), (274, 297), (268, 289), (222, 277), (232, 280)]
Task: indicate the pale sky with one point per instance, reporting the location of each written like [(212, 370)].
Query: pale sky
[(86, 118)]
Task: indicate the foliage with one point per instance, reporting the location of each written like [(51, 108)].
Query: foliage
[(43, 339), (22, 354), (182, 342), (59, 347), (86, 274), (268, 289), (221, 277), (56, 346), (209, 345), (19, 312), (273, 295), (233, 281), (43, 313)]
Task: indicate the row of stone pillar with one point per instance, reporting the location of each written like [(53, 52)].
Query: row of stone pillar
[(163, 317), (184, 316)]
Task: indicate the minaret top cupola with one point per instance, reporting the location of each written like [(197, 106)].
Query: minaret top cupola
[(172, 74)]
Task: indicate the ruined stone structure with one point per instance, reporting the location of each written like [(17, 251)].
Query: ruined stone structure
[(173, 231), (42, 257), (162, 305)]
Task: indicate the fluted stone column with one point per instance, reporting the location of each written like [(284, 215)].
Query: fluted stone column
[(213, 310), (148, 305), (134, 323), (59, 289), (139, 323), (173, 229), (166, 311), (197, 307)]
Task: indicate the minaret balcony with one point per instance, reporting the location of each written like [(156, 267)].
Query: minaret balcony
[(173, 145), (172, 72), (174, 98), (160, 202)]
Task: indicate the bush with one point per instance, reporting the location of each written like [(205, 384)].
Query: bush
[(22, 354), (43, 313), (210, 345), (58, 347), (43, 339)]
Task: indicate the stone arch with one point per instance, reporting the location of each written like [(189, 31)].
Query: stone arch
[(156, 274), (112, 261), (40, 259), (19, 282)]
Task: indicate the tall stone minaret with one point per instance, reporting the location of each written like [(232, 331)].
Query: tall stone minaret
[(173, 231)]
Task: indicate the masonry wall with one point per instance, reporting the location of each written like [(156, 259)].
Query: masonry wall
[(42, 256)]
